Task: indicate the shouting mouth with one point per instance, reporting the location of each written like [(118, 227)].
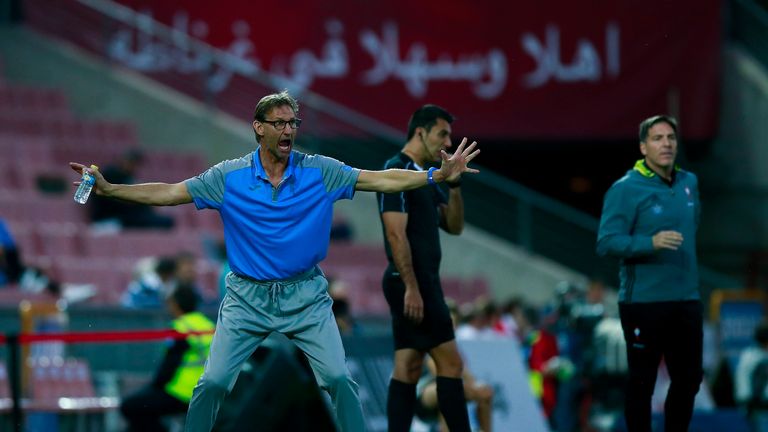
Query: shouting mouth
[(284, 145)]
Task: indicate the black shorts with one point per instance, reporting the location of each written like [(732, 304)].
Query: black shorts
[(436, 327)]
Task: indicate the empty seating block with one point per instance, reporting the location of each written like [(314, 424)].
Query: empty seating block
[(32, 101), (65, 386)]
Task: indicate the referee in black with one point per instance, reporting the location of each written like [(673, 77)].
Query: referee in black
[(421, 322)]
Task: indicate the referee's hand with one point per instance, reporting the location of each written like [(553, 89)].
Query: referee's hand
[(413, 308)]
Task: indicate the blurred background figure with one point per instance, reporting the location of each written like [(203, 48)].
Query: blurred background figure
[(10, 263), (171, 388), (338, 290), (479, 395), (120, 214), (545, 366), (186, 270), (751, 377), (154, 279), (506, 324), (475, 320)]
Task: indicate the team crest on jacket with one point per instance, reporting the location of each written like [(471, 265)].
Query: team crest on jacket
[(657, 209)]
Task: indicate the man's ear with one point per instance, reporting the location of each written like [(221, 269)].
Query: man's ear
[(643, 150), (258, 127)]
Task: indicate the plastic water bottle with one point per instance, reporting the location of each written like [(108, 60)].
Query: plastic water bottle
[(86, 185)]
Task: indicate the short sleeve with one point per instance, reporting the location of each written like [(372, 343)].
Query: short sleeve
[(207, 189), (339, 179)]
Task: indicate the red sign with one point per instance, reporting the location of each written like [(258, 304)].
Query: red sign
[(545, 70)]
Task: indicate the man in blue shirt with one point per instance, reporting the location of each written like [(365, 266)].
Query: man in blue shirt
[(276, 206), (649, 221)]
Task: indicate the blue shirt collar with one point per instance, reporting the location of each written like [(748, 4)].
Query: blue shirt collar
[(258, 169)]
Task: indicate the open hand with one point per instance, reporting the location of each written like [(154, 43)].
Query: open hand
[(453, 166)]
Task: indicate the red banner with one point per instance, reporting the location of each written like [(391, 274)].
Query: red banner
[(554, 69)]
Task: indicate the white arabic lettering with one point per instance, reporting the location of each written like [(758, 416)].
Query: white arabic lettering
[(487, 73), (149, 54), (306, 66), (585, 66)]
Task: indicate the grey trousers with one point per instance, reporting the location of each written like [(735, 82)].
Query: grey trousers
[(299, 308)]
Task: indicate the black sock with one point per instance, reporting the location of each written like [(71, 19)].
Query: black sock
[(401, 403), (453, 404)]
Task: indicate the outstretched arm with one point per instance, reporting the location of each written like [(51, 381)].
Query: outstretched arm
[(158, 194), (397, 180)]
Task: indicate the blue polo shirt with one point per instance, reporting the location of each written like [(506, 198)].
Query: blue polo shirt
[(274, 233)]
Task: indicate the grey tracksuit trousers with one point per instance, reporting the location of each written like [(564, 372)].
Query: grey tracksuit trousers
[(299, 308)]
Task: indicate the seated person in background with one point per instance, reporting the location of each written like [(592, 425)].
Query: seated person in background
[(337, 289), (751, 376), (10, 264), (171, 389), (541, 354), (186, 270), (125, 214), (474, 321), (480, 395), (341, 229), (154, 280)]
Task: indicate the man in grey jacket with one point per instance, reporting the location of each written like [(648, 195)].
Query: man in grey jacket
[(649, 221)]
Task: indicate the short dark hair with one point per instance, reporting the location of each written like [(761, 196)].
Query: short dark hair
[(185, 296), (166, 266), (271, 101), (761, 333), (426, 117), (648, 123)]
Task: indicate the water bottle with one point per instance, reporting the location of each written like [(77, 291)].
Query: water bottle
[(86, 185)]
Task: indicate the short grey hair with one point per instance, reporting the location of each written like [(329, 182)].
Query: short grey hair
[(648, 123)]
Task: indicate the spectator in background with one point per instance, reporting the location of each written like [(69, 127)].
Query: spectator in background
[(649, 221), (10, 263), (479, 399), (341, 308), (477, 394), (751, 376), (421, 322), (186, 270), (181, 367), (126, 214), (506, 325), (344, 320), (541, 354), (154, 279), (341, 229), (475, 321)]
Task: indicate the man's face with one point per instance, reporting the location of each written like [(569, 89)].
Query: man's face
[(438, 138), (660, 147), (278, 143)]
